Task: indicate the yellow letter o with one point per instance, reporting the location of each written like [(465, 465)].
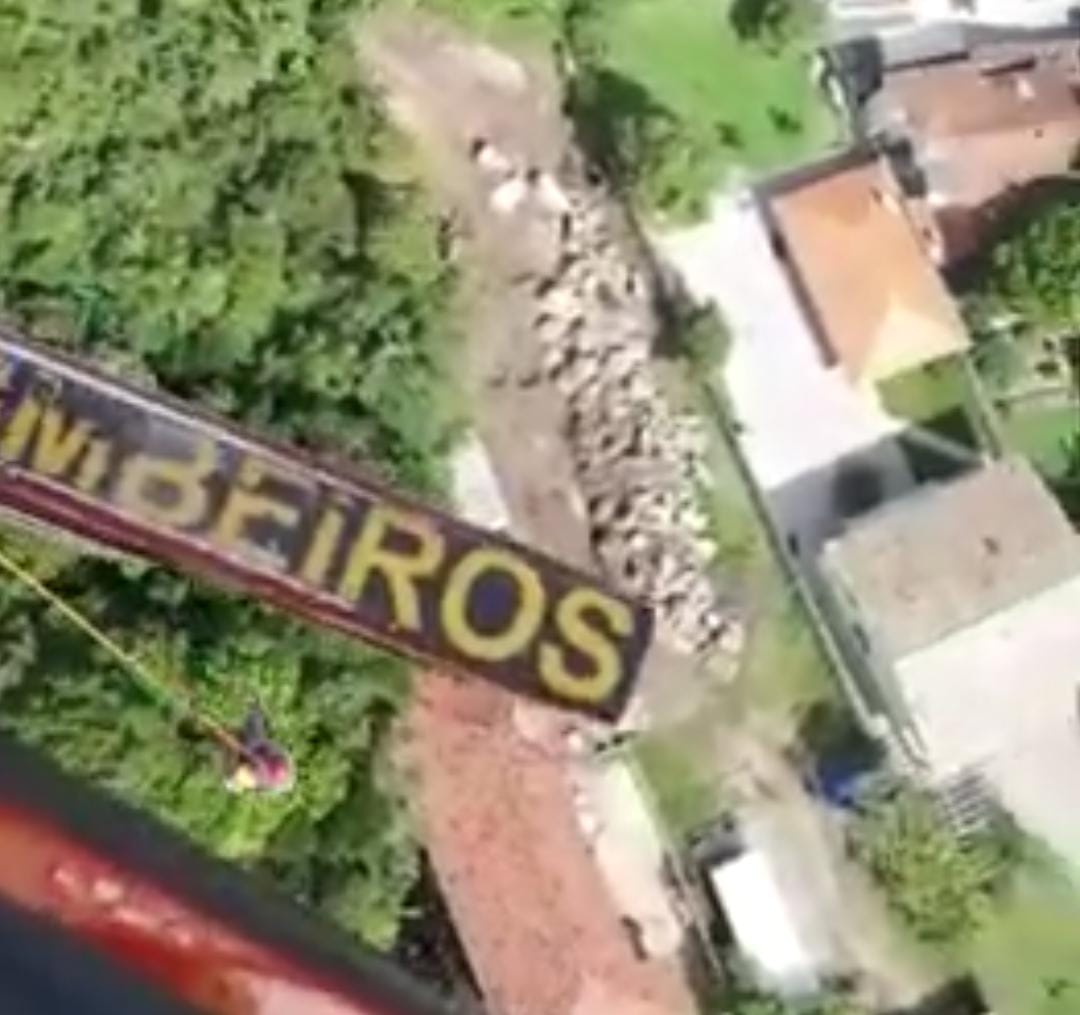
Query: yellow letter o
[(455, 606)]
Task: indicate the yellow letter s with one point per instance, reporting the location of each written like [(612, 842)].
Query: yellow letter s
[(595, 686)]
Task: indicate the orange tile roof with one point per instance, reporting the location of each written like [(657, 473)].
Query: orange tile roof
[(879, 303), (530, 904)]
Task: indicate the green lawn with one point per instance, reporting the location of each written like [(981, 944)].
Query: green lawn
[(1050, 439), (686, 54), (783, 672), (675, 90), (921, 395), (1028, 956), (1042, 435), (733, 102), (784, 669), (940, 398)]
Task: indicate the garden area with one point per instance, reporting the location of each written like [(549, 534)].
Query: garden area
[(1022, 304), (996, 906)]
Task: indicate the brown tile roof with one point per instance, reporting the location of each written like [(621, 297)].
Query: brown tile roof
[(878, 302), (1007, 115), (530, 905), (939, 561)]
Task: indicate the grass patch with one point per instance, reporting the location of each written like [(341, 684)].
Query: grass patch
[(723, 100), (921, 395), (939, 398), (1043, 435), (666, 93), (1028, 955), (1050, 439), (785, 671), (679, 765)]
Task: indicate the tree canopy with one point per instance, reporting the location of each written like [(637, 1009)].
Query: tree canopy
[(1030, 272), (941, 887), (203, 195)]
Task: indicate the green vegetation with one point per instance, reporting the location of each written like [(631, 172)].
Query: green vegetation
[(940, 887), (1047, 436), (784, 673), (1050, 437), (1026, 956), (680, 767), (939, 398), (773, 23), (673, 92), (1030, 273), (668, 94), (1024, 308), (195, 191), (784, 669), (198, 194), (759, 1004)]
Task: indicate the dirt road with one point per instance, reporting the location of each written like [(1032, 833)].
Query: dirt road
[(448, 92)]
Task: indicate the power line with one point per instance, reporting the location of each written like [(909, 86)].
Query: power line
[(168, 688)]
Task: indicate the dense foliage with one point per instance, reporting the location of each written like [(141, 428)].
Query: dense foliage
[(941, 887), (201, 194), (1031, 272)]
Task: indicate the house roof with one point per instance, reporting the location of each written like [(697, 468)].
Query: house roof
[(939, 561), (862, 267), (1001, 118), (527, 897)]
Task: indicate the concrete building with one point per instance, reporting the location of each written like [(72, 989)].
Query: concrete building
[(960, 608)]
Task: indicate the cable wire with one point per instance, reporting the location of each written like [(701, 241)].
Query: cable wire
[(151, 682)]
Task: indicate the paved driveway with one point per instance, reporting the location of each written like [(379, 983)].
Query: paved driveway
[(797, 418)]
